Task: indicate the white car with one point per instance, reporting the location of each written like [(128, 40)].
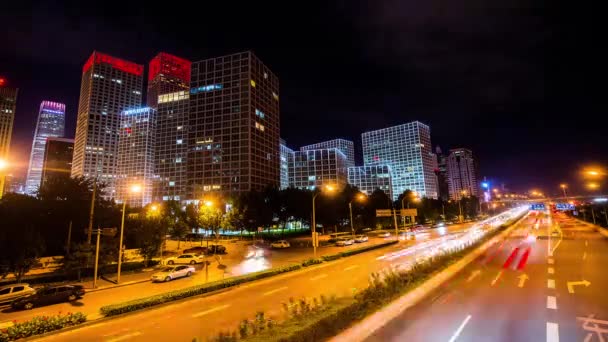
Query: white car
[(185, 259), (173, 272), (280, 244), (384, 235), (344, 242), (361, 238)]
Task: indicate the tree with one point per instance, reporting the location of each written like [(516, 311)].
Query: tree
[(233, 220), (79, 258), (210, 218), (149, 237)]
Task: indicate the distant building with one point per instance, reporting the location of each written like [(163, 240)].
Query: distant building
[(167, 74), (109, 85), (50, 124), (58, 153), (462, 175), (407, 149), (136, 143), (442, 174), (314, 168), (8, 101), (346, 146), (285, 155), (371, 177), (14, 183)]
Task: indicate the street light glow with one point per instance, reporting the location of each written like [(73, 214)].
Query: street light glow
[(593, 186), (208, 203), (135, 188), (154, 207), (3, 164), (563, 186)]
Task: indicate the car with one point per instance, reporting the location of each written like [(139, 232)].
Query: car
[(280, 244), (196, 250), (384, 234), (417, 228), (216, 249), (49, 295), (185, 259), (9, 293), (255, 252), (172, 272), (361, 238), (344, 242)]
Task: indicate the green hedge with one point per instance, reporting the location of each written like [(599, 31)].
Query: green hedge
[(311, 261), (40, 325), (133, 305)]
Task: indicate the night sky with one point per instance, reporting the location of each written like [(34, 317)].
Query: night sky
[(518, 82)]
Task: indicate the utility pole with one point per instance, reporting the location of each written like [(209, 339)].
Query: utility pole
[(593, 215), (67, 247), (350, 209), (122, 229), (90, 231), (395, 219), (98, 232)]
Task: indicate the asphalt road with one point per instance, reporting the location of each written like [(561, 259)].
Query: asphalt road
[(519, 291), (204, 317)]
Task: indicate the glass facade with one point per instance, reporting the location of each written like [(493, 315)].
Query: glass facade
[(462, 175), (407, 149), (346, 146), (314, 168), (50, 124), (57, 163), (167, 74), (371, 177), (8, 101), (286, 154)]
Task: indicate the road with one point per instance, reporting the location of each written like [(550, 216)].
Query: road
[(523, 289), (204, 317)]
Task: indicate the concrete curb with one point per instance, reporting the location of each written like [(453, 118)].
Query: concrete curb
[(108, 287), (365, 328), (603, 231)]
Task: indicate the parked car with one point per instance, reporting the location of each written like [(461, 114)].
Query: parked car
[(384, 234), (361, 238), (280, 244), (344, 242), (172, 272), (49, 295), (185, 259), (196, 250), (216, 249), (11, 292)]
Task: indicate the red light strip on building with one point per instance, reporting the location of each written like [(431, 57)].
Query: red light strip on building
[(170, 65), (117, 63)]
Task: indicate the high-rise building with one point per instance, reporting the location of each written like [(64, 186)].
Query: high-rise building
[(462, 175), (167, 74), (50, 124), (371, 177), (14, 183), (314, 168), (58, 153), (233, 128), (346, 146), (286, 154), (109, 85), (172, 146), (8, 102), (442, 174), (136, 144), (407, 149)]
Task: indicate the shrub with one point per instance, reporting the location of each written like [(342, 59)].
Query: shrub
[(331, 257), (311, 261), (40, 325)]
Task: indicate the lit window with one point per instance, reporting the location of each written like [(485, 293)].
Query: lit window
[(275, 96), (206, 188), (253, 83), (178, 160), (165, 198), (179, 141), (312, 178), (171, 183), (259, 113), (179, 127), (265, 75)]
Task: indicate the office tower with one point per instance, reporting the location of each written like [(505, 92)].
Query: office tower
[(346, 146), (14, 183), (371, 177), (286, 154), (442, 174), (407, 149), (172, 146), (314, 168), (233, 130), (167, 74), (136, 144), (462, 177), (109, 85), (58, 153), (50, 124), (8, 102)]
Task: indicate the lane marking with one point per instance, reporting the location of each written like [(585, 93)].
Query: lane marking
[(551, 283), (552, 332), (550, 270), (584, 255), (586, 243), (320, 276), (550, 261), (561, 237), (125, 337), (496, 278), (351, 267), (274, 291), (473, 275), (522, 280), (551, 303), (206, 312), (459, 330)]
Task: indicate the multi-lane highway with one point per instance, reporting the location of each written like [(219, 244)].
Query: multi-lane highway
[(550, 288)]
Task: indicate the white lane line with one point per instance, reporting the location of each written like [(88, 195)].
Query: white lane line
[(550, 270), (551, 283), (552, 332), (274, 291), (584, 255), (586, 243), (351, 267), (550, 261), (206, 312), (459, 330), (551, 303), (320, 276), (124, 337)]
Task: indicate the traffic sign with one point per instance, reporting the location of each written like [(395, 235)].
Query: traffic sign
[(409, 212), (108, 231), (384, 213)]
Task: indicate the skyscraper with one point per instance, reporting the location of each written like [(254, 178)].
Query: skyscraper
[(286, 155), (314, 168), (58, 153), (136, 144), (462, 174), (346, 146), (371, 177), (442, 174), (109, 85), (167, 74), (51, 124), (8, 102), (407, 149), (233, 128)]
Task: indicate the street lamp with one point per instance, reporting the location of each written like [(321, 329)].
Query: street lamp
[(3, 166), (329, 189), (564, 186), (593, 186), (414, 199), (134, 189), (359, 197)]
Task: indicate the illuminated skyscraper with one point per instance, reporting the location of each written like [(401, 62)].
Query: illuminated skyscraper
[(462, 174), (314, 168), (109, 85), (167, 74), (286, 156), (233, 127), (57, 163), (51, 124), (371, 177), (346, 146), (407, 149), (8, 101)]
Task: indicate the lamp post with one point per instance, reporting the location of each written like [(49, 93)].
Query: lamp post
[(3, 166), (415, 199), (359, 197), (135, 188), (463, 193), (329, 188), (564, 186)]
